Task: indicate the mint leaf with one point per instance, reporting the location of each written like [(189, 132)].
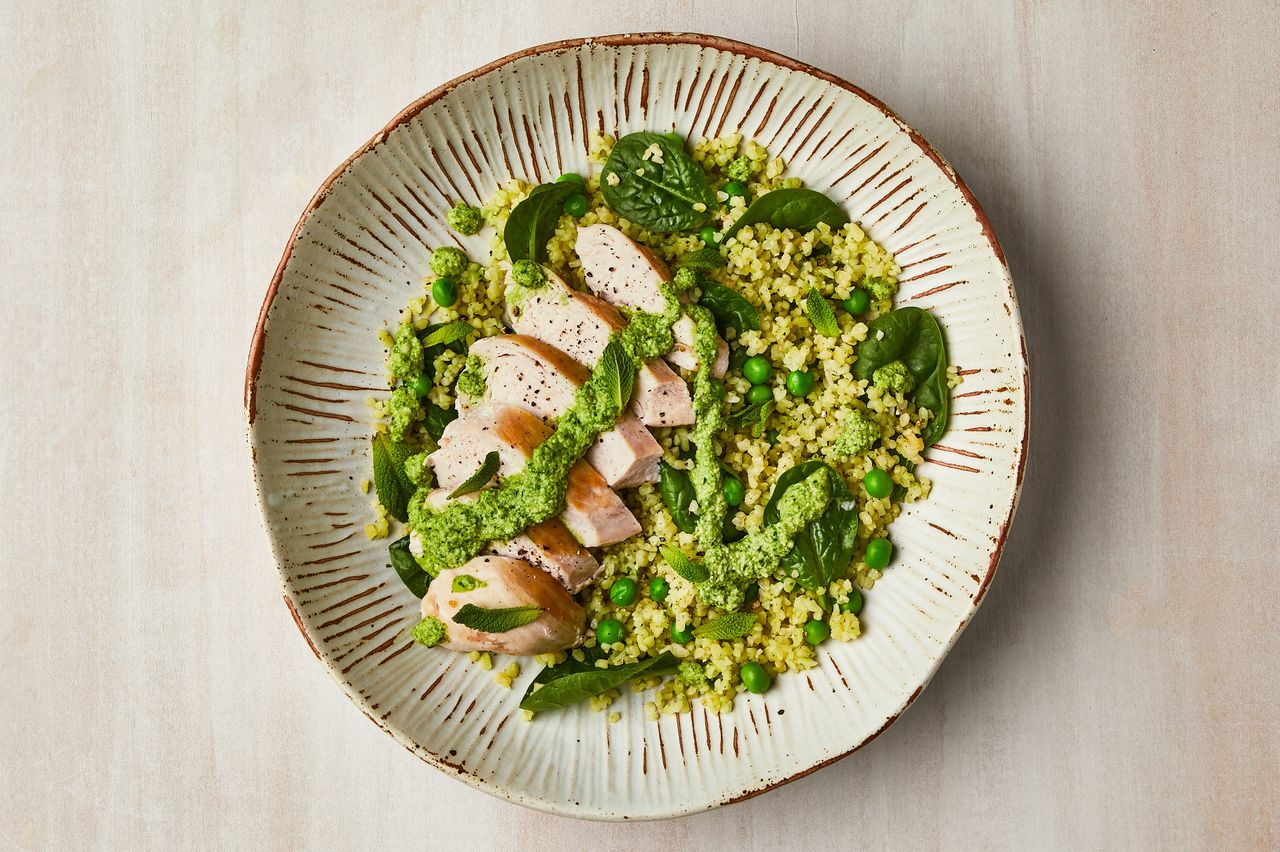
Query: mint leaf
[(392, 484), (450, 332), (821, 315), (753, 417), (588, 680), (683, 565), (407, 568), (704, 258), (488, 470), (496, 620), (617, 374), (733, 625)]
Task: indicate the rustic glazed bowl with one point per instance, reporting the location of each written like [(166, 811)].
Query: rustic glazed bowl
[(359, 253)]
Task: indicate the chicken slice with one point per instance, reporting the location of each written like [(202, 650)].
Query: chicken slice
[(526, 372), (498, 582), (594, 514), (627, 274), (547, 545), (580, 326)]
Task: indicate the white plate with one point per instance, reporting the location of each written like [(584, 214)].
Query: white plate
[(359, 253)]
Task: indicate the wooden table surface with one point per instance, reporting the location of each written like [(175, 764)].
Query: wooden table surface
[(1118, 688)]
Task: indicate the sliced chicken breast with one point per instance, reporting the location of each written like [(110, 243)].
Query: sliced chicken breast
[(594, 514), (547, 545), (627, 274), (526, 372), (580, 325), (497, 582)]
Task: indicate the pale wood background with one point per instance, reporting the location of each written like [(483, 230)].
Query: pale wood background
[(1118, 688)]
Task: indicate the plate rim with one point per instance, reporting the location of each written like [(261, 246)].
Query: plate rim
[(721, 43)]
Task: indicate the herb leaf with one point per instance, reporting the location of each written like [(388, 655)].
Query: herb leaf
[(821, 315), (450, 332), (824, 548), (580, 685), (618, 374), (683, 565), (753, 416), (729, 307), (661, 196), (731, 625), (496, 620), (407, 568), (437, 419), (392, 484), (798, 209), (912, 336), (488, 470), (676, 489), (533, 221), (705, 258)]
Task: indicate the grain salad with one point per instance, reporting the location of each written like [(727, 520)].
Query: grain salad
[(750, 418)]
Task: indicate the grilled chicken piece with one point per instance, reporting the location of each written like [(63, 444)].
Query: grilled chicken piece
[(507, 583), (526, 372), (547, 545), (594, 514), (627, 274), (580, 325)]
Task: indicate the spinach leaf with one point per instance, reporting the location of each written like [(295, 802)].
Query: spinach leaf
[(575, 686), (488, 470), (912, 336), (676, 489), (824, 548), (392, 484), (533, 221), (437, 418), (729, 307), (407, 568), (738, 356), (705, 258), (798, 209), (665, 194), (570, 665)]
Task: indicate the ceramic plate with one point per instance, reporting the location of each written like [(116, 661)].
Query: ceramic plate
[(359, 253)]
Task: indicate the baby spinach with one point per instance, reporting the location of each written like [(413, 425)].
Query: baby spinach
[(390, 482), (533, 221), (729, 307), (437, 418), (824, 548), (912, 336), (407, 568), (581, 681), (663, 194), (798, 209), (676, 489)]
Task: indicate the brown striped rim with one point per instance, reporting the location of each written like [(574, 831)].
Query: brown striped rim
[(257, 345)]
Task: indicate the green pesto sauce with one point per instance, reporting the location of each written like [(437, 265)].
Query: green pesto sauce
[(471, 381), (453, 534), (735, 566)]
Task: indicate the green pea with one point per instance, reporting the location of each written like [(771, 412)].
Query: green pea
[(853, 603), (682, 635), (444, 292), (571, 177), (878, 483), (658, 589), (759, 394), (734, 189), (609, 631), (755, 678), (859, 302), (734, 493), (420, 385), (576, 205), (816, 631), (800, 383), (879, 552), (623, 592), (708, 236), (750, 593), (757, 370)]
